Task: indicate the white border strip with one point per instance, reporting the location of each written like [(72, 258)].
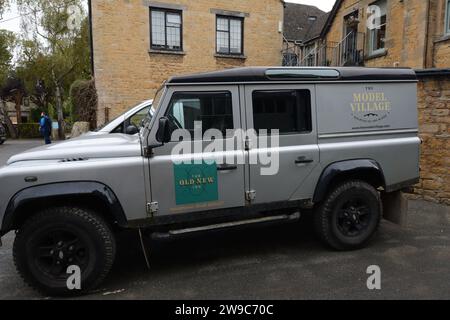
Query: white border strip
[(365, 134)]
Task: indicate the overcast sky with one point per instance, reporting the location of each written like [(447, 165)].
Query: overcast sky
[(325, 5), (11, 22)]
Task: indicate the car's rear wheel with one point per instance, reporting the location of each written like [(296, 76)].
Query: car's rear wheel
[(349, 216), (58, 238)]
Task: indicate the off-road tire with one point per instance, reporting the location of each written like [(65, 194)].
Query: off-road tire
[(327, 216), (85, 224)]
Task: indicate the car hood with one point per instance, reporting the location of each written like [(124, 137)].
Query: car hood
[(85, 147)]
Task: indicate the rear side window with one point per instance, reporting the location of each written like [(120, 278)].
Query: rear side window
[(213, 109), (288, 111)]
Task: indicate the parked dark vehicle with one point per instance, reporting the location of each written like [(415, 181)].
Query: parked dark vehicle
[(2, 134)]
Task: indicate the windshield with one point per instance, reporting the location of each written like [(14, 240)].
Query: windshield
[(155, 106), (143, 113), (158, 95), (108, 123), (102, 126)]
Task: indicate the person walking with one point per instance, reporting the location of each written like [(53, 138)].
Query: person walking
[(45, 127)]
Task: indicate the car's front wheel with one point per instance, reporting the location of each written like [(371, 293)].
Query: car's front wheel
[(56, 243), (349, 216)]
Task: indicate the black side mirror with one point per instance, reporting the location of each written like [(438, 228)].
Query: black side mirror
[(131, 130), (163, 135)]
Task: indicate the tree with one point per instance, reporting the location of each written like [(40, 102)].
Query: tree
[(14, 90), (59, 40), (7, 44), (4, 4), (33, 67)]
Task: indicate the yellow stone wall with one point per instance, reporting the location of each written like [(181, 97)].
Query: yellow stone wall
[(126, 73), (414, 35), (434, 118)]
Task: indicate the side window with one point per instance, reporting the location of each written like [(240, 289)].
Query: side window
[(119, 129), (229, 35), (213, 109), (288, 111), (377, 36), (166, 29), (137, 119)]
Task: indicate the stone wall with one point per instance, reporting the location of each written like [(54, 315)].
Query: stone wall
[(434, 119), (405, 31), (127, 73), (410, 41), (439, 42)]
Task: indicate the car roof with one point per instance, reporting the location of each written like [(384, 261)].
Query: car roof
[(298, 74), (139, 107)]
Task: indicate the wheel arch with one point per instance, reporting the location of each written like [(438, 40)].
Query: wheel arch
[(367, 170), (85, 194)]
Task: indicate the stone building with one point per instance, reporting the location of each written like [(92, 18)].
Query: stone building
[(137, 44), (410, 33), (407, 33), (303, 25), (25, 111)]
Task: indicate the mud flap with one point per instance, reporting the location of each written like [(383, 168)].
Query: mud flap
[(395, 207)]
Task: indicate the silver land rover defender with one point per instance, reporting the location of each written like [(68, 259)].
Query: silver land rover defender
[(339, 141)]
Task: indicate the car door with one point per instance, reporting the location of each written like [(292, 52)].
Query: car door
[(284, 159), (189, 176)]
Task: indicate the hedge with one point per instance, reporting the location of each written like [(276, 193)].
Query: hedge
[(28, 130)]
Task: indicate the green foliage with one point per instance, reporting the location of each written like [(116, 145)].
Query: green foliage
[(35, 115), (28, 130), (52, 54), (52, 111), (7, 44), (67, 110)]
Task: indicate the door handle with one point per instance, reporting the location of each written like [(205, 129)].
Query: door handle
[(226, 168), (303, 160)]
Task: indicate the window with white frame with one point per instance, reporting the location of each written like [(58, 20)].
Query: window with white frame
[(377, 33), (447, 18), (229, 34), (166, 29)]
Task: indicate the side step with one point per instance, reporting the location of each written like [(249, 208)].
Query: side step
[(226, 225)]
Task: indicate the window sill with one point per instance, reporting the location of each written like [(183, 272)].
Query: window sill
[(376, 55), (444, 38), (231, 56), (177, 53)]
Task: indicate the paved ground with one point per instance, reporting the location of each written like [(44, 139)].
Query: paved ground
[(282, 263)]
